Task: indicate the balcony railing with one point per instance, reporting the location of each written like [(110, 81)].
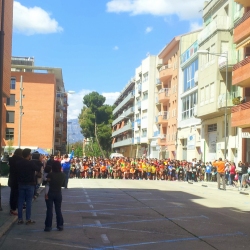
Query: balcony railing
[(162, 136), (222, 103), (220, 23), (122, 143), (129, 97), (138, 105), (125, 114), (168, 66), (158, 81), (241, 107), (243, 19), (241, 64), (123, 129)]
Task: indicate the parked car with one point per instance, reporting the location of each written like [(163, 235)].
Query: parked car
[(116, 155)]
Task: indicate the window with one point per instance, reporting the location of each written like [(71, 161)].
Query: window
[(145, 95), (212, 90), (188, 103), (13, 83), (145, 77), (144, 133), (10, 116), (189, 73), (202, 96), (207, 94), (9, 134), (212, 127), (11, 100)]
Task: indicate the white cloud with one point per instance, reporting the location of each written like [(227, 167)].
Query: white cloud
[(195, 26), (148, 30), (116, 48), (182, 8), (76, 101), (30, 21)]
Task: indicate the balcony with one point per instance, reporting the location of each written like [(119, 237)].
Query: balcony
[(244, 3), (220, 23), (161, 140), (240, 115), (241, 73), (164, 95), (126, 113), (195, 110), (139, 88), (128, 98), (222, 103), (242, 28), (138, 122), (137, 140), (158, 82), (163, 117), (122, 143), (123, 129), (166, 72), (138, 105)]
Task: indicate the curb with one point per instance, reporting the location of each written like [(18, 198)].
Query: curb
[(8, 224)]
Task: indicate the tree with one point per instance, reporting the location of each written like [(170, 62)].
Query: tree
[(96, 121), (10, 148)]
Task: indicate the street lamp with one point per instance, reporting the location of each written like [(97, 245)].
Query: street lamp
[(225, 55)]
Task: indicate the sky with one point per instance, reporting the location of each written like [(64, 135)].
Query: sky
[(98, 43)]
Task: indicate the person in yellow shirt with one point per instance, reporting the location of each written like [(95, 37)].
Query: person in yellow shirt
[(149, 168), (220, 165), (153, 172)]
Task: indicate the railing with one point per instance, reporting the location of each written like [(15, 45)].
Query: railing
[(162, 136), (165, 90), (138, 105), (124, 101), (168, 66), (164, 115), (241, 107), (128, 112), (220, 23), (243, 19), (124, 142), (222, 100), (241, 64), (123, 129), (138, 121)]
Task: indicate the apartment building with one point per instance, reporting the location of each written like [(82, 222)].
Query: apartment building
[(36, 111), (189, 126), (7, 48), (134, 123), (241, 76), (215, 89), (167, 106)]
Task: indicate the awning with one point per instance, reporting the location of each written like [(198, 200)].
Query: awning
[(243, 43)]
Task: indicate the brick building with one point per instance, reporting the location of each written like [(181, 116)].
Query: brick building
[(7, 27), (36, 111)]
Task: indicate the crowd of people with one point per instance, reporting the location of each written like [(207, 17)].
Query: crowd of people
[(29, 171), (155, 169)]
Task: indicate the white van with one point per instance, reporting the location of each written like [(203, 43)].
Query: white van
[(115, 155)]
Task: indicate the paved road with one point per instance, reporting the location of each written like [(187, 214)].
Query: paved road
[(124, 214)]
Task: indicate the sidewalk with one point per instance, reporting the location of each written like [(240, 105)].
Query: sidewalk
[(6, 220)]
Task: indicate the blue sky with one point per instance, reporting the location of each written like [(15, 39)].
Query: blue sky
[(98, 43)]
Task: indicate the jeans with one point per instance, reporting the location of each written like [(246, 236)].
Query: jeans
[(13, 198), (25, 193), (244, 178), (56, 198), (208, 176), (222, 176), (66, 172)]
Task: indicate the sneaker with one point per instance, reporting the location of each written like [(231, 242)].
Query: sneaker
[(60, 228), (30, 222), (47, 229), (12, 212), (20, 222)]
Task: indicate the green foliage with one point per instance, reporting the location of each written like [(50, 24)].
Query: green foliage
[(236, 100), (95, 111), (77, 148), (92, 149), (10, 148)]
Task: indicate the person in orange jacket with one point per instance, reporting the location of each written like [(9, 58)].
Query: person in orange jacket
[(220, 165)]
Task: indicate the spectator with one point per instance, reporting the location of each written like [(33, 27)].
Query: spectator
[(220, 172), (26, 185), (13, 180), (66, 166)]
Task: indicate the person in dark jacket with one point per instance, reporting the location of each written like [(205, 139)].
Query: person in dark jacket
[(56, 180), (13, 182), (26, 184)]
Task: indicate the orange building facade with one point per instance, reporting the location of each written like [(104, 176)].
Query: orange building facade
[(241, 78), (36, 113), (167, 105)]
